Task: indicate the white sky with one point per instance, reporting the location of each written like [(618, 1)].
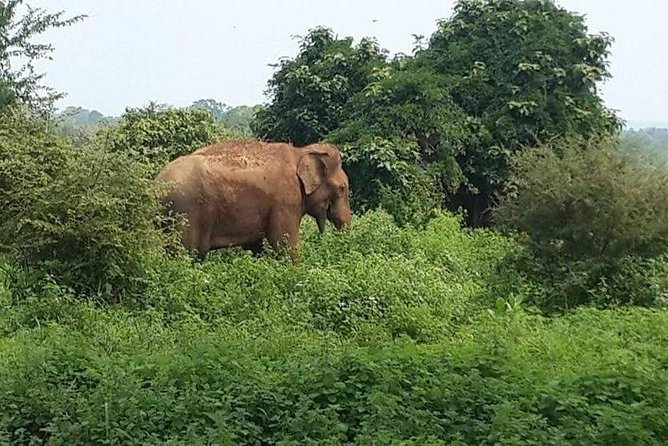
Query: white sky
[(129, 52)]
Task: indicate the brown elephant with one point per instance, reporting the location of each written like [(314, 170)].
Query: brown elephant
[(239, 193)]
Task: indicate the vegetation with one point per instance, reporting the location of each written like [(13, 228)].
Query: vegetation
[(650, 139), (549, 327), (594, 219), (455, 111), (76, 118), (157, 121), (382, 334), (237, 119), (19, 27), (83, 217), (157, 134)]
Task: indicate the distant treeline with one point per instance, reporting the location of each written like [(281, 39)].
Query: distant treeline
[(652, 138), (237, 118)]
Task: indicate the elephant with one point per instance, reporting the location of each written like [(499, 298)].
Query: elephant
[(241, 193)]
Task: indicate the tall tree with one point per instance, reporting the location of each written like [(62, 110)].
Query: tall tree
[(159, 133), (401, 140), (310, 94), (217, 109), (239, 119), (525, 71), (496, 77)]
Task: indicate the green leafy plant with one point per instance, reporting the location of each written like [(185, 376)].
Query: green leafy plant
[(541, 85), (591, 214), (157, 134), (310, 94), (456, 110), (84, 216)]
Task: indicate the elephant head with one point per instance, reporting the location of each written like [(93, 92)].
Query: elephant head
[(325, 185)]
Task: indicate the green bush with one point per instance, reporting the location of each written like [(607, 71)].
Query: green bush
[(85, 217), (382, 175), (377, 335), (591, 378), (376, 281), (156, 134), (589, 215)]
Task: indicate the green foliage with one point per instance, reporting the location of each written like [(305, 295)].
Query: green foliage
[(239, 119), (592, 214), (379, 333), (525, 72), (7, 96), (236, 119), (400, 143), (382, 173), (398, 127), (82, 216), (377, 281), (651, 139), (80, 125), (310, 94), (591, 378), (20, 25), (497, 76), (384, 334), (217, 109), (157, 134), (77, 117)]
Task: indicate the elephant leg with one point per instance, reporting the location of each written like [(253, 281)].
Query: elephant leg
[(197, 238), (256, 247), (284, 234)]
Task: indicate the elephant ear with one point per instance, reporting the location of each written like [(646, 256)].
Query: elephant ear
[(310, 171)]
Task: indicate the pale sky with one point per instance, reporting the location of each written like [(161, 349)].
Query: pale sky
[(129, 52)]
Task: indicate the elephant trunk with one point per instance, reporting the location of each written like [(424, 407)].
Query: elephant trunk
[(322, 222), (339, 213)]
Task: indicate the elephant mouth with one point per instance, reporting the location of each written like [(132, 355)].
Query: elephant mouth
[(328, 214), (337, 222)]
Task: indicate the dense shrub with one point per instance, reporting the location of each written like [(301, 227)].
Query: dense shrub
[(591, 215), (157, 134), (378, 335), (84, 216), (382, 175), (591, 378), (376, 281)]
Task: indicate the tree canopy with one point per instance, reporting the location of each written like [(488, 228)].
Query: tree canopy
[(159, 133), (237, 119), (311, 93), (524, 72), (494, 78)]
